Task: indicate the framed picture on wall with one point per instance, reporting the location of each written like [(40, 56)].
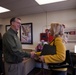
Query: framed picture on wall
[(26, 33), (7, 27)]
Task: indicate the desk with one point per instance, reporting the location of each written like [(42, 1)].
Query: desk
[(29, 65)]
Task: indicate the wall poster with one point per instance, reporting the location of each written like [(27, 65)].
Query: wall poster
[(26, 33), (71, 34)]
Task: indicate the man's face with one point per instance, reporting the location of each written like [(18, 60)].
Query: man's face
[(16, 24)]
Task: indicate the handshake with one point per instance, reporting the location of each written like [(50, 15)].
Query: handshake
[(35, 55)]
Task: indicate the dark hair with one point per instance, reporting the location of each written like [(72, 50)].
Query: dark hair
[(13, 19)]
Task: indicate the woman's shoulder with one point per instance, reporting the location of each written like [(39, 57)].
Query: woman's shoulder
[(58, 39)]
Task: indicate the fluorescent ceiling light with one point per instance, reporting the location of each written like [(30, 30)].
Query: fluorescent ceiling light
[(41, 2), (2, 9)]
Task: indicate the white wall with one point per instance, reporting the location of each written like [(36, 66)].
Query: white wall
[(0, 21), (67, 17), (1, 25)]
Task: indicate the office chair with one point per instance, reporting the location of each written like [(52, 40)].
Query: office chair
[(73, 70)]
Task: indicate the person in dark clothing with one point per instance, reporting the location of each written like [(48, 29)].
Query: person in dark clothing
[(13, 52), (1, 62)]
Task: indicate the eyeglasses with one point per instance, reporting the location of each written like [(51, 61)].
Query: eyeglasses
[(18, 22)]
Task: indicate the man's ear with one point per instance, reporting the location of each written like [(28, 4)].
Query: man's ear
[(12, 23)]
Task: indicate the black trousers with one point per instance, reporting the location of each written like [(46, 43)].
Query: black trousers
[(2, 70)]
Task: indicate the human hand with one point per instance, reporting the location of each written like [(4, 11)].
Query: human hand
[(36, 57), (32, 54), (41, 58), (24, 59)]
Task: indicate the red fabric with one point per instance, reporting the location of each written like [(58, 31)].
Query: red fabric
[(46, 37), (50, 38), (43, 36)]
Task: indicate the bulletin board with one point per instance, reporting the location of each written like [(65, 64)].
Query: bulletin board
[(71, 34)]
